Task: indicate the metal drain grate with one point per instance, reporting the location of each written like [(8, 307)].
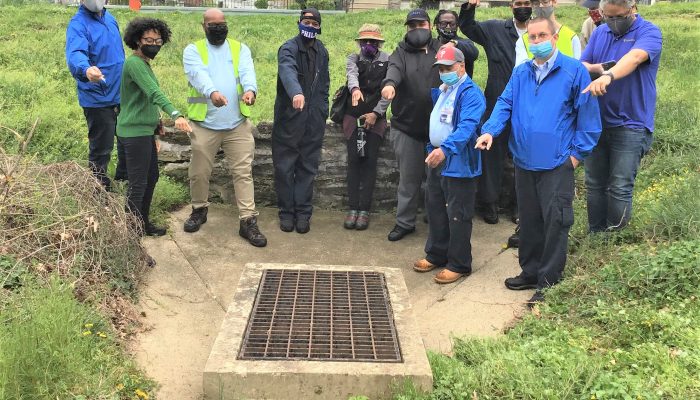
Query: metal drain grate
[(323, 316)]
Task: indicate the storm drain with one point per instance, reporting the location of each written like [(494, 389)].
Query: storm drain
[(323, 316)]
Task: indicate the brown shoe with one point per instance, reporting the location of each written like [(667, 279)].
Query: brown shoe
[(446, 276), (423, 266)]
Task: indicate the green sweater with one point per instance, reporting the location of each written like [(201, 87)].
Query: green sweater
[(140, 99)]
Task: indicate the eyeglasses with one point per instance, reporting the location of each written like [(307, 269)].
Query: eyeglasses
[(445, 24), (217, 25), (149, 40)]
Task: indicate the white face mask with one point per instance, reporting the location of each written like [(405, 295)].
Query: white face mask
[(94, 5)]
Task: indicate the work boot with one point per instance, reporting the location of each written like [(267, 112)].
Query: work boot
[(196, 219), (249, 230), (286, 225), (538, 297)]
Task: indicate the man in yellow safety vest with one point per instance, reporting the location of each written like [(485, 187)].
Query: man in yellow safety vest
[(569, 43), (222, 82)]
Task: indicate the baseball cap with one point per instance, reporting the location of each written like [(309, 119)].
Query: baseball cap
[(315, 15), (418, 14), (590, 4), (449, 55)]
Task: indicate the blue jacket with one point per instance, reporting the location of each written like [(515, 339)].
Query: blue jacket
[(462, 160), (551, 120), (92, 39)]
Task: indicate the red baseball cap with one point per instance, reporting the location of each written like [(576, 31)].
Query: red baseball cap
[(449, 55)]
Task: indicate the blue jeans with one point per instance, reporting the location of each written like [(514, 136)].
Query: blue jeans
[(610, 173)]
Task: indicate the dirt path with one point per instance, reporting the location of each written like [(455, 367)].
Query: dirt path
[(186, 295)]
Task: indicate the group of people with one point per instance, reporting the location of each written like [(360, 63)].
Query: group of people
[(551, 100)]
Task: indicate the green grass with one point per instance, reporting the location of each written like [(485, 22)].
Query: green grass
[(53, 347), (624, 324)]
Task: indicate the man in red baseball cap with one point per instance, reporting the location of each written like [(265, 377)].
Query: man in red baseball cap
[(453, 166)]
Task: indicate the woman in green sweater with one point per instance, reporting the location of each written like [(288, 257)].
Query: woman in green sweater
[(139, 118)]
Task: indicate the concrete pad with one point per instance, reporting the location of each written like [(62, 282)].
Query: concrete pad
[(209, 263), (229, 378)]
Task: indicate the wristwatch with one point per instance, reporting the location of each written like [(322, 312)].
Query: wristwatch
[(610, 74)]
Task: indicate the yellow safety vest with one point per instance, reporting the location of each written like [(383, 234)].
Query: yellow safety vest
[(197, 102), (564, 44)]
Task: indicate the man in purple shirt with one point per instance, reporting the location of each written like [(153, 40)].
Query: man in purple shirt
[(627, 99)]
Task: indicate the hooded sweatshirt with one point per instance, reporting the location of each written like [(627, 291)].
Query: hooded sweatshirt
[(412, 73)]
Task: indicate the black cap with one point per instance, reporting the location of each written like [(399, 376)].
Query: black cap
[(316, 15), (591, 4), (418, 14)]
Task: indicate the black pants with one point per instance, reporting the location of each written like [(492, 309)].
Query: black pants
[(492, 184), (142, 170), (450, 206), (296, 164), (545, 202), (362, 172), (120, 171), (102, 126)]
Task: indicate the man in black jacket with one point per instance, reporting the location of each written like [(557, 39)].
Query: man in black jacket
[(446, 25), (301, 108), (410, 77), (498, 37)]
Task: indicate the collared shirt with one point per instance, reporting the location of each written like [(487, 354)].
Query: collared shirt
[(441, 118), (218, 76), (630, 101), (541, 71)]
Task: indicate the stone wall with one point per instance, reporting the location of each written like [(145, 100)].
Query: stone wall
[(329, 190)]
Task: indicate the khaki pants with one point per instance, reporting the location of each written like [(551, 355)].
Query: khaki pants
[(239, 148)]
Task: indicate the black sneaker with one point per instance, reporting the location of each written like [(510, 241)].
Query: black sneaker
[(521, 282), (538, 297), (152, 230), (514, 239), (196, 219), (398, 233), (490, 213), (286, 225), (249, 230), (303, 225)]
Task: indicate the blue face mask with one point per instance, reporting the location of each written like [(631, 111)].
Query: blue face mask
[(308, 32), (541, 50), (449, 78)]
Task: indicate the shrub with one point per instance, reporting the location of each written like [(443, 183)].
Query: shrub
[(261, 4)]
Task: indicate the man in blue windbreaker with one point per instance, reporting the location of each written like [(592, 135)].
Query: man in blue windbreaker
[(95, 55), (453, 167), (554, 127)]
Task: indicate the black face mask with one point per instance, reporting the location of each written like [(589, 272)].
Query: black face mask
[(418, 38), (150, 50), (522, 14), (216, 34), (447, 34)]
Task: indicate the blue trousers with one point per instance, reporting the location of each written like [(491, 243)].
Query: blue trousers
[(610, 173)]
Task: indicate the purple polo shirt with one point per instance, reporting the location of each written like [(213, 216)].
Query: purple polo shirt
[(630, 101)]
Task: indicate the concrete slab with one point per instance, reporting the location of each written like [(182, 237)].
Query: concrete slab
[(209, 264), (228, 378)]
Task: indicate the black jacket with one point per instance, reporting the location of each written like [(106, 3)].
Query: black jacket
[(498, 37), (412, 73), (294, 76), (471, 53)]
